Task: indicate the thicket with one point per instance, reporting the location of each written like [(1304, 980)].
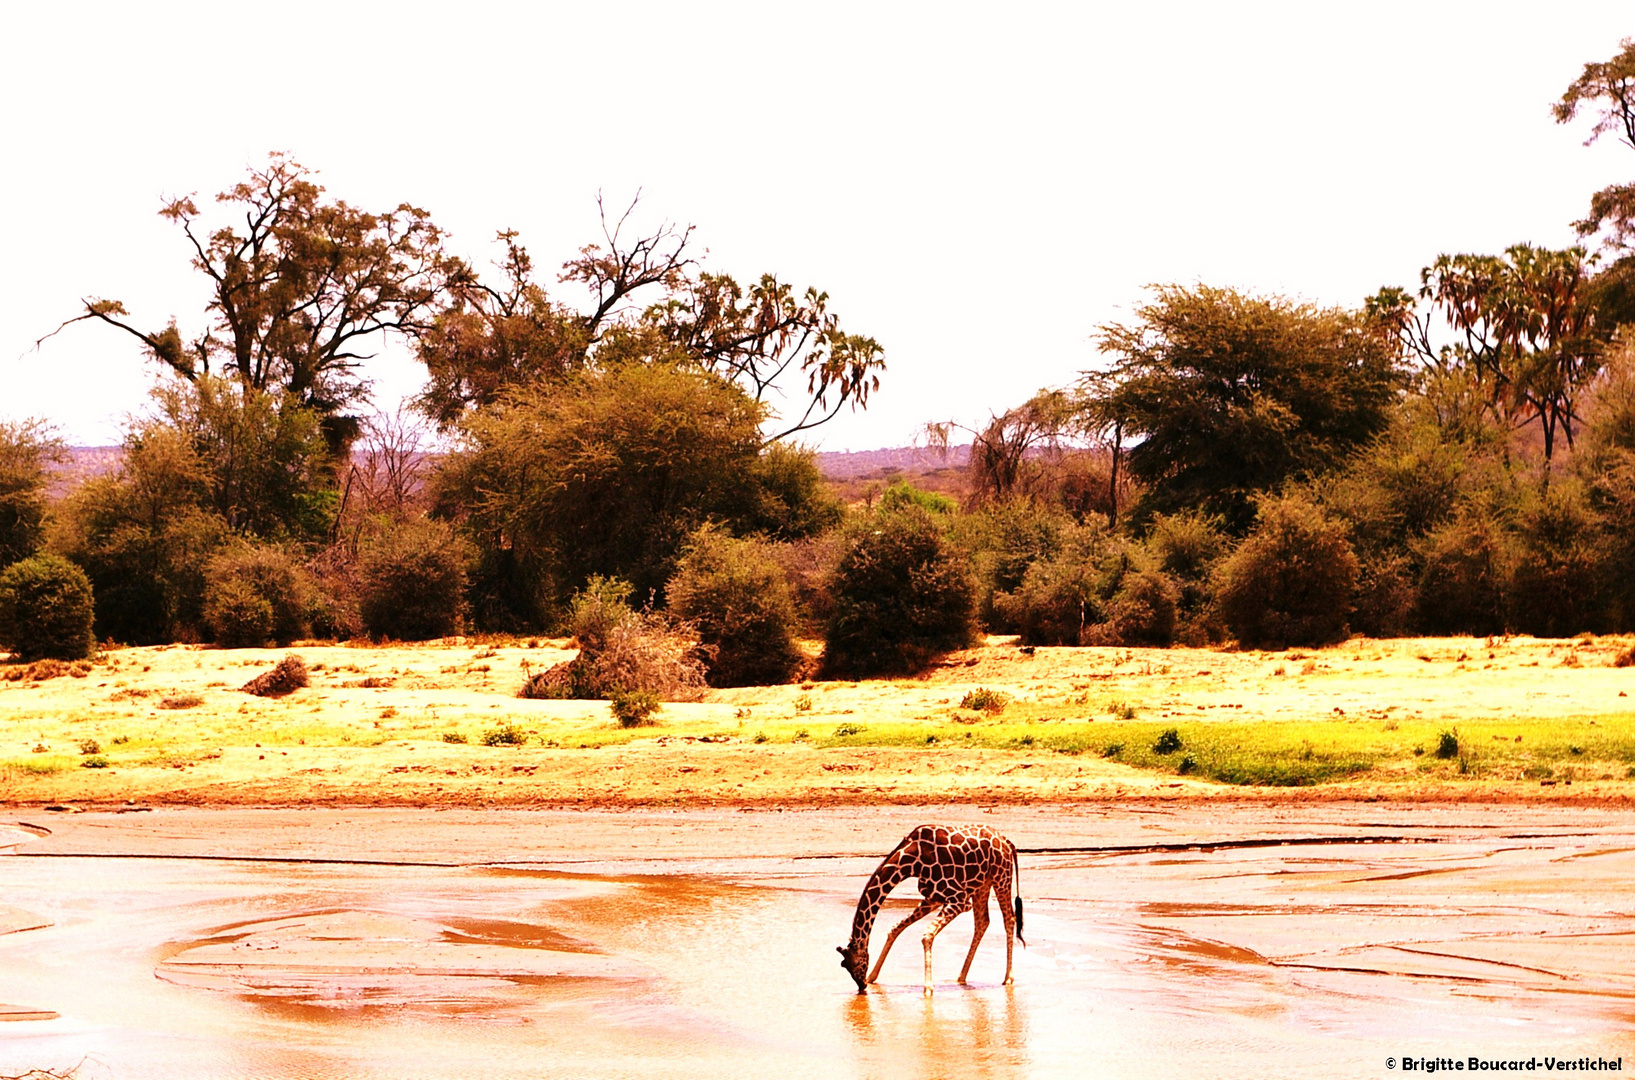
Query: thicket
[(45, 610), (901, 594), (27, 450), (622, 650), (411, 582), (734, 593), (255, 596)]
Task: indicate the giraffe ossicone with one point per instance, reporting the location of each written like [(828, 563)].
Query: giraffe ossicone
[(955, 868)]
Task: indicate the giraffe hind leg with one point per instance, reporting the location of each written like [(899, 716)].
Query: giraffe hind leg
[(1008, 913), (914, 916), (979, 912), (948, 914)]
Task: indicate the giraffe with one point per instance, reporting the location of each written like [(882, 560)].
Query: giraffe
[(954, 868)]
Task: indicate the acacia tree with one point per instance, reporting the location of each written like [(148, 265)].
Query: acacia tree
[(301, 290), (1222, 395), (650, 302), (1608, 87)]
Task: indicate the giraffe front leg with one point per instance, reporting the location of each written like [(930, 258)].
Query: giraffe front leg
[(980, 914), (920, 912), (948, 914)]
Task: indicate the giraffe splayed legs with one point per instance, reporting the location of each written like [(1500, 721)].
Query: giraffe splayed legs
[(955, 869)]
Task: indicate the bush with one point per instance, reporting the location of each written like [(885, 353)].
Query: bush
[(1141, 612), (1447, 744), (504, 735), (1060, 597), (46, 609), (984, 700), (1004, 540), (1169, 741), (1463, 567), (901, 596), (735, 594), (411, 582), (288, 676), (1556, 583), (622, 650), (1291, 581), (634, 708), (255, 596), (27, 447)]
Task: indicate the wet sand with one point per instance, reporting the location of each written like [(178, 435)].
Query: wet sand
[(1219, 939)]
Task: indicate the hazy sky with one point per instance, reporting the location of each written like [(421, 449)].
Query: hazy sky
[(977, 187)]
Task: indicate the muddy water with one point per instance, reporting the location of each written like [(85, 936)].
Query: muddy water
[(707, 949)]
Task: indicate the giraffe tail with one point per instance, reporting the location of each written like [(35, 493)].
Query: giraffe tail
[(1016, 884)]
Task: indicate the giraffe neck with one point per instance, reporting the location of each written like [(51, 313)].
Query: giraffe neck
[(874, 895)]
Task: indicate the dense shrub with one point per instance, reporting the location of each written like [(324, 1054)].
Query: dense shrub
[(1060, 597), (902, 595), (1291, 581), (1385, 596), (634, 708), (45, 609), (1463, 569), (411, 582), (26, 448), (1141, 611), (144, 540), (1556, 584), (255, 596), (1004, 539), (735, 595), (622, 650)]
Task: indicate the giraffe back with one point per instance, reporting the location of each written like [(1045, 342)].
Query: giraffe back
[(950, 863)]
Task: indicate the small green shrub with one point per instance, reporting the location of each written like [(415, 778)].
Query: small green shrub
[(95, 761), (984, 700), (1187, 764), (595, 610), (181, 701), (1291, 582), (45, 609), (1122, 710), (255, 597), (736, 596), (453, 737), (901, 596), (803, 704), (504, 735), (760, 737), (633, 708), (1113, 750), (849, 729), (90, 746), (1447, 744), (1169, 741), (411, 582)]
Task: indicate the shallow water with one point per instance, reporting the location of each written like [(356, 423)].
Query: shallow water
[(1272, 961)]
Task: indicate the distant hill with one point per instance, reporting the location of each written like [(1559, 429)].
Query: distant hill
[(82, 463), (853, 472), (850, 471)]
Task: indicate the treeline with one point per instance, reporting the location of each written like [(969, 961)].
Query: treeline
[(1458, 457)]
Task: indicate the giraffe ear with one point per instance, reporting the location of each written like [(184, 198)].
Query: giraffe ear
[(841, 949)]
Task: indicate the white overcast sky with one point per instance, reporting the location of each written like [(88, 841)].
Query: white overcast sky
[(978, 187)]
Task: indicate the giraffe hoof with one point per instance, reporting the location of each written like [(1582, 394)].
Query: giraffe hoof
[(1009, 981)]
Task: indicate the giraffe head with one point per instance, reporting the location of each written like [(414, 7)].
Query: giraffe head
[(854, 957)]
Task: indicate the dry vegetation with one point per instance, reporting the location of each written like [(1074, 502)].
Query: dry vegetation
[(440, 724)]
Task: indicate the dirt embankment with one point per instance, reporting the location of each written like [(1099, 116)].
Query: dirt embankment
[(407, 726)]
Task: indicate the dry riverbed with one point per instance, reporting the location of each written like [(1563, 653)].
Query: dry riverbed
[(405, 725)]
